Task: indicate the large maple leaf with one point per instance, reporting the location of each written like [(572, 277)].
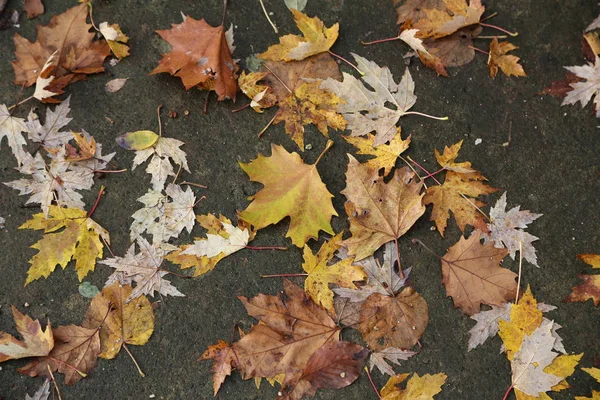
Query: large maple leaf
[(36, 341), (378, 211), (200, 55), (590, 288), (69, 234), (291, 188), (294, 87), (69, 35), (472, 274)]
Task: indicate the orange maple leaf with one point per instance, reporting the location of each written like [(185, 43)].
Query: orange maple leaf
[(498, 58), (590, 288)]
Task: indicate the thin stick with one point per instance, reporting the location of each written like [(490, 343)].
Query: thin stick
[(475, 205), (282, 275), (100, 193), (413, 170), (492, 15), (380, 41), (508, 392), (107, 246), (491, 37), (266, 127), (520, 270), (425, 115), (373, 383), (159, 121), (513, 34), (278, 78), (267, 15), (134, 361), (434, 173), (479, 50), (327, 147), (109, 171), (224, 12), (347, 62), (241, 108), (20, 102), (54, 382), (266, 248), (198, 201), (177, 174), (194, 184), (424, 170), (205, 110), (89, 3)]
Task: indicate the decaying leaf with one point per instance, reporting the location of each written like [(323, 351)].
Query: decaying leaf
[(385, 154), (74, 354), (142, 268), (224, 360), (114, 85), (11, 128), (417, 387), (119, 323), (317, 39), (391, 354), (115, 38), (473, 276), (321, 273), (507, 230), (68, 235), (36, 341), (498, 58), (379, 212), (367, 110), (45, 89), (590, 288), (200, 55), (409, 37), (291, 189)]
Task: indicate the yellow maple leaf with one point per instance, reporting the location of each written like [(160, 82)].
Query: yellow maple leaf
[(498, 58), (291, 188), (448, 157), (525, 317), (321, 274), (68, 234), (448, 17), (385, 154), (115, 38), (417, 387), (593, 372), (317, 39)]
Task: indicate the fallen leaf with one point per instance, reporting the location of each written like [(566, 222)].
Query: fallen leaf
[(138, 140), (454, 50), (114, 85), (224, 359), (142, 268), (417, 387), (115, 38), (393, 321), (317, 39), (376, 110), (588, 87), (590, 288), (487, 324), (448, 17), (498, 58), (291, 189), (379, 212), (525, 317), (69, 33), (200, 55), (45, 89), (119, 323), (87, 148), (391, 354), (50, 134), (385, 154), (322, 273), (296, 4), (447, 159), (69, 234), (473, 276), (593, 372), (507, 230), (33, 8), (408, 36), (42, 393), (36, 341), (11, 128), (74, 354)]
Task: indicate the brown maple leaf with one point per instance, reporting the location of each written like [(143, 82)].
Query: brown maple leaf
[(69, 35), (498, 58), (590, 288), (200, 55), (224, 360), (473, 275)]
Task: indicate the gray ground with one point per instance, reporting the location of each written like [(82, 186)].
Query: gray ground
[(551, 167)]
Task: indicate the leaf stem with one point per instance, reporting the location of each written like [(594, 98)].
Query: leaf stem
[(278, 78), (282, 275), (327, 147), (415, 241), (20, 102), (177, 174), (205, 110), (380, 41), (373, 383), (520, 270), (54, 381), (426, 115), (194, 184), (513, 34), (159, 121), (413, 169), (475, 205), (134, 361), (224, 12), (83, 374), (424, 170), (479, 50), (198, 201), (109, 171), (266, 248), (492, 15), (100, 194), (346, 61), (490, 37), (400, 272), (434, 173), (241, 108), (508, 392), (266, 127), (267, 15)]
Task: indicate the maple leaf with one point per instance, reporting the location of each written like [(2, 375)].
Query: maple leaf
[(447, 17), (119, 323), (321, 274), (506, 230), (447, 159), (36, 341), (49, 134), (200, 55), (54, 182), (417, 387), (472, 275), (409, 37), (498, 58), (393, 321), (142, 268), (364, 109), (11, 128), (115, 38), (382, 277), (291, 188), (385, 154), (42, 393), (164, 219), (78, 53), (45, 89), (379, 212), (224, 359), (74, 354), (317, 39), (584, 90), (69, 234), (290, 332), (393, 355), (295, 88), (525, 317), (160, 168), (594, 373), (590, 288)]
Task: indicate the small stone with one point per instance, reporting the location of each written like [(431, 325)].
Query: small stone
[(308, 147), (26, 305), (152, 396), (186, 113), (478, 141)]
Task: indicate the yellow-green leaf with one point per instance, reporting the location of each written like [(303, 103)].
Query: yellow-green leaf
[(138, 140)]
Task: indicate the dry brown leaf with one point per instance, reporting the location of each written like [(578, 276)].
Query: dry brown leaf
[(590, 288), (36, 341), (224, 359), (454, 50), (498, 58), (473, 275), (447, 17)]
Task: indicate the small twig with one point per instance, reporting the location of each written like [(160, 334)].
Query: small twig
[(194, 184), (508, 392), (267, 15), (20, 102), (413, 169), (241, 108), (425, 115), (490, 37), (224, 12), (266, 127), (520, 270), (327, 147), (282, 275), (513, 34), (380, 41), (109, 171), (373, 383), (423, 169), (479, 50), (54, 381), (177, 174), (346, 61), (266, 247), (205, 110), (492, 15), (100, 193), (134, 361), (159, 121)]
